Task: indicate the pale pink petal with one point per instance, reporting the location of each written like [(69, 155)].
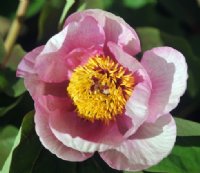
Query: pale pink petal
[(37, 87), (85, 33), (147, 147), (124, 123), (75, 132), (26, 66), (58, 66), (50, 142), (168, 73), (137, 106), (51, 103), (115, 28), (123, 58), (79, 57), (51, 65), (82, 135)]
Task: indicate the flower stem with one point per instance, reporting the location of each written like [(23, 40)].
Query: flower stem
[(15, 29)]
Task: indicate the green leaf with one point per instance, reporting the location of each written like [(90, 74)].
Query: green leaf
[(34, 7), (3, 82), (137, 3), (184, 10), (16, 89), (49, 18), (92, 4), (187, 128), (12, 85), (29, 156), (150, 37), (4, 110), (22, 135), (15, 57), (133, 172), (7, 137), (68, 5), (2, 49), (184, 157)]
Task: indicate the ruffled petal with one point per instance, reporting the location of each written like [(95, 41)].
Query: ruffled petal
[(51, 65), (85, 33), (168, 73), (115, 28), (50, 142), (26, 66), (137, 106), (37, 87), (76, 132), (124, 59), (147, 147), (79, 57)]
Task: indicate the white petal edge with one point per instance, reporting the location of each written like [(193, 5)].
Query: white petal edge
[(26, 66), (50, 142), (151, 143), (137, 105), (167, 70)]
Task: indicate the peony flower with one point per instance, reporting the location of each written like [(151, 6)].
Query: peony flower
[(91, 94)]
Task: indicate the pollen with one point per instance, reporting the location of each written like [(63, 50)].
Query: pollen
[(100, 89)]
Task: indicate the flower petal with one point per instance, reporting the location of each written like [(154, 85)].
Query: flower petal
[(85, 33), (123, 58), (26, 66), (51, 65), (75, 132), (137, 105), (79, 57), (168, 73), (147, 147), (37, 87), (50, 142), (116, 29)]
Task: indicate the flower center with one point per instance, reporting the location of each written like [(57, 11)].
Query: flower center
[(100, 89)]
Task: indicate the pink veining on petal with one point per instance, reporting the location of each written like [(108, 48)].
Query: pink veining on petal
[(168, 72), (115, 28), (151, 143), (137, 106), (26, 66), (50, 142), (72, 130)]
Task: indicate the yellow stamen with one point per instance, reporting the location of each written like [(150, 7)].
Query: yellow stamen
[(100, 89)]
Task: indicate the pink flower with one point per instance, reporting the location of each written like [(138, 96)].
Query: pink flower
[(91, 94)]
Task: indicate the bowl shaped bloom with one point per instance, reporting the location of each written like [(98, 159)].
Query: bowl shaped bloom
[(91, 94)]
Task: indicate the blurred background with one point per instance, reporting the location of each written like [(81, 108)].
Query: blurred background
[(174, 23)]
